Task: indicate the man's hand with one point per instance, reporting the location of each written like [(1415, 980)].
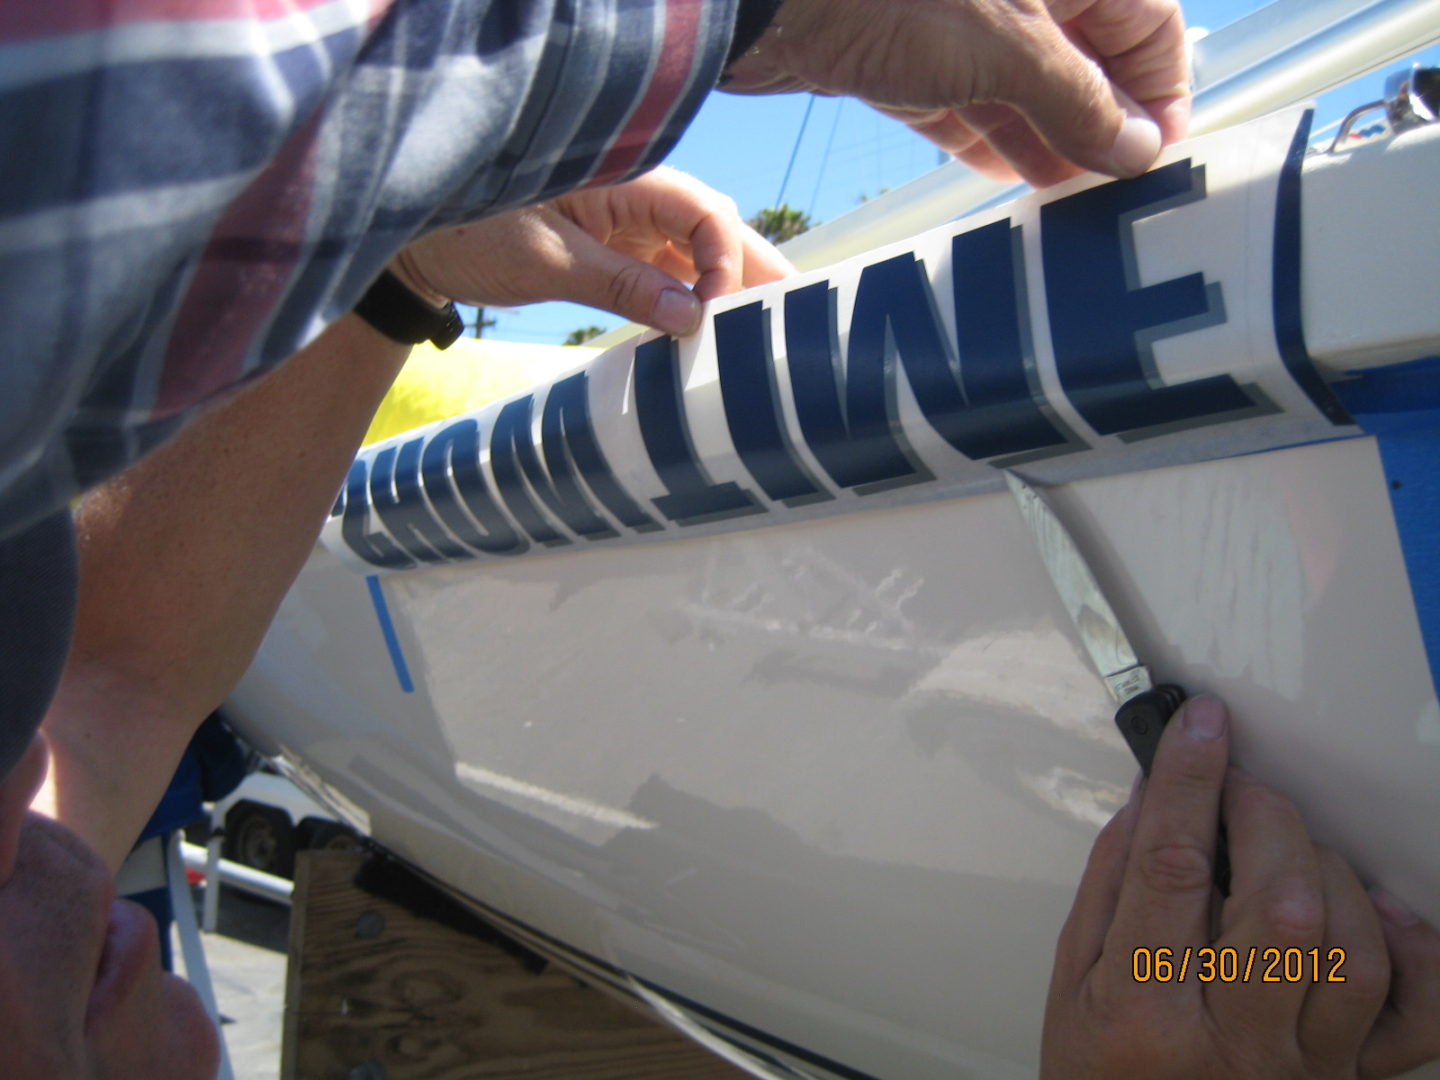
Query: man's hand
[(1027, 87), (630, 249), (1113, 1013)]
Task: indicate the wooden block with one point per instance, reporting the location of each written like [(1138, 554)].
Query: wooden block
[(375, 992)]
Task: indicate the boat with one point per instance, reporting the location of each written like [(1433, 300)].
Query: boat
[(725, 672)]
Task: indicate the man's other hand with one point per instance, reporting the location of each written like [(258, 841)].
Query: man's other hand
[(631, 249), (1158, 976), (1025, 88)]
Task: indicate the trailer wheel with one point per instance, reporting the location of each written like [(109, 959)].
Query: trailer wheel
[(327, 836), (260, 837)]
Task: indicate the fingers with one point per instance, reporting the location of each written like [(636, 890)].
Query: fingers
[(960, 140), (671, 222), (1277, 903), (1051, 112), (764, 262), (668, 207), (628, 249), (1072, 105), (1115, 88), (1100, 84), (1349, 976), (1149, 878), (1009, 138), (1141, 45), (759, 267), (728, 255), (1083, 937), (1165, 898), (1407, 1032), (1073, 990), (601, 277)]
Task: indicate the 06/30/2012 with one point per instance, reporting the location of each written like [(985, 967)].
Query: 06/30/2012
[(1207, 964)]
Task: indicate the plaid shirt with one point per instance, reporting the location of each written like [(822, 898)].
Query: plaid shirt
[(192, 189)]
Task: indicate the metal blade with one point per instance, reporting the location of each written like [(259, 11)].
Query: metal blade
[(1110, 650)]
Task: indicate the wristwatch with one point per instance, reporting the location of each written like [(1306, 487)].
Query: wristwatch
[(402, 316), (752, 18)]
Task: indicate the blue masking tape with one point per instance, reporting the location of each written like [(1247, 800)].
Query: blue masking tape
[(387, 629)]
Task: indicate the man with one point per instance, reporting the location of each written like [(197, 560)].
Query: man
[(206, 186)]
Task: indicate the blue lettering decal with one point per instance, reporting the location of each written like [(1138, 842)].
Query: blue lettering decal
[(511, 440), (752, 406), (567, 436), (693, 497), (1285, 293), (998, 406), (859, 443), (1103, 322), (395, 495), (374, 547), (454, 452)]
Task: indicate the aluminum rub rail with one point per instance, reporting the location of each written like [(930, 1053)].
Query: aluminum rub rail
[(1285, 52)]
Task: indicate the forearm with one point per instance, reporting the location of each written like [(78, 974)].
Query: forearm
[(184, 559)]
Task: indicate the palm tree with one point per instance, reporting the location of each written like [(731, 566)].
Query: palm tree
[(582, 335), (780, 223)]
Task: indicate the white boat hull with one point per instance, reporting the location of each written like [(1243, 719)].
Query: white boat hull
[(822, 790)]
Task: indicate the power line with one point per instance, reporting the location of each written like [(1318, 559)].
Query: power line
[(809, 105), (825, 157)]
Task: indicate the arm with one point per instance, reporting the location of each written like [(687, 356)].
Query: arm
[(183, 560), (185, 557)]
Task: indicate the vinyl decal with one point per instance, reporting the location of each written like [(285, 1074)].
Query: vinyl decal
[(1095, 328)]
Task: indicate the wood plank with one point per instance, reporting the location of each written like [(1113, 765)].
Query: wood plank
[(375, 992)]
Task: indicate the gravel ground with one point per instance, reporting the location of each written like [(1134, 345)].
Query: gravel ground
[(247, 956)]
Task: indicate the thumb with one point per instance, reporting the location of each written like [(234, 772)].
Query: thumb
[(1405, 1034), (1071, 103), (603, 278)]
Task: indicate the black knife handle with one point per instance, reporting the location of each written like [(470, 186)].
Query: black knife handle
[(1142, 721), (1222, 860)]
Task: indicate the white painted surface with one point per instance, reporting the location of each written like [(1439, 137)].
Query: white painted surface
[(869, 754), (836, 779)]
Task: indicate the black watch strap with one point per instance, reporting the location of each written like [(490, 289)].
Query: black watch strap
[(752, 18), (402, 316)]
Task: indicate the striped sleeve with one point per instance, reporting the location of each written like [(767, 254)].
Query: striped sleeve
[(201, 185)]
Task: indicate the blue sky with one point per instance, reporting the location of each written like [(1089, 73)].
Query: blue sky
[(843, 152)]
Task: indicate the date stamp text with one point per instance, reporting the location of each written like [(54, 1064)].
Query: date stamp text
[(1231, 965)]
